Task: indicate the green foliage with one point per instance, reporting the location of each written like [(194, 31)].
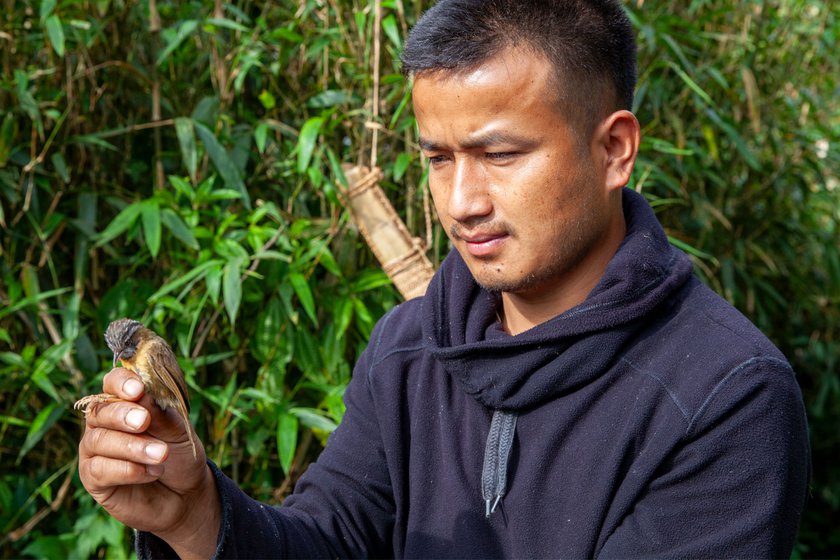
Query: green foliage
[(188, 174)]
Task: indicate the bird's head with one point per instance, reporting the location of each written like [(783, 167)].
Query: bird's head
[(120, 336)]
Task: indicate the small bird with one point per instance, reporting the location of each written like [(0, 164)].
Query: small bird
[(148, 355)]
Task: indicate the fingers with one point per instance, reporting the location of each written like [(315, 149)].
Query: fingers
[(113, 458), (123, 383), (102, 474), (121, 415)]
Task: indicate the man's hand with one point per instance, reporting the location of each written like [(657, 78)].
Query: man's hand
[(137, 462)]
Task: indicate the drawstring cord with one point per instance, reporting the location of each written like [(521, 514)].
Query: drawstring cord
[(496, 457)]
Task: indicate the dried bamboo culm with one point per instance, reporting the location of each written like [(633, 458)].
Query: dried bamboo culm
[(400, 254)]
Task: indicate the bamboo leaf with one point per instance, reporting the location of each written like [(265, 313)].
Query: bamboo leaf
[(60, 167), (224, 164), (150, 216), (186, 139), (736, 139), (185, 29), (46, 9), (92, 140), (304, 294), (314, 418), (55, 31), (306, 142), (40, 426), (287, 432), (389, 24), (30, 300), (183, 279), (124, 220), (232, 287), (213, 280), (227, 24), (260, 136), (691, 83), (178, 228)]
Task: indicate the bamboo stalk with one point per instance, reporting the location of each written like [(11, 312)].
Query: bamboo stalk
[(401, 255)]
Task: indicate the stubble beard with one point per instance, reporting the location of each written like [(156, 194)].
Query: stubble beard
[(579, 241)]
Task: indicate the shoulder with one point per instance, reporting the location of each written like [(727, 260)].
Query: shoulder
[(397, 332), (701, 347)]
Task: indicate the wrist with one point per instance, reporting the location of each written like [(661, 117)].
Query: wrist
[(197, 535)]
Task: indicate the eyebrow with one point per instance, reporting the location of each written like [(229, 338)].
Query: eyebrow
[(494, 138)]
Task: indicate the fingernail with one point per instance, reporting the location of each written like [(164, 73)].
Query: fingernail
[(132, 387), (135, 418), (155, 451), (154, 470)]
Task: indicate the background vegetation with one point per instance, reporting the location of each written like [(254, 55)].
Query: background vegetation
[(179, 162)]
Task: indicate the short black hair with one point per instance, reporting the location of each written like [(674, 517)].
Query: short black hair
[(590, 43)]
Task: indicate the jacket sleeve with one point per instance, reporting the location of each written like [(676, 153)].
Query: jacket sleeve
[(736, 486), (342, 505)]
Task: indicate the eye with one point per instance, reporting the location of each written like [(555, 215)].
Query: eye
[(437, 160), (500, 156)]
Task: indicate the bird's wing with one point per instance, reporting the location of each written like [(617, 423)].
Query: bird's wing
[(165, 360), (162, 359)]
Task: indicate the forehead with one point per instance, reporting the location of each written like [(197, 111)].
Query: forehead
[(512, 92)]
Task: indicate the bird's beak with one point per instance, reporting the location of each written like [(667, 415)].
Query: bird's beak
[(116, 358)]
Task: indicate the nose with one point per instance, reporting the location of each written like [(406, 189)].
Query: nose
[(468, 193)]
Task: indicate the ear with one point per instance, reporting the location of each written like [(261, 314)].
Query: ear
[(617, 142)]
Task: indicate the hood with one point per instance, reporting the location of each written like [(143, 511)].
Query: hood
[(513, 373)]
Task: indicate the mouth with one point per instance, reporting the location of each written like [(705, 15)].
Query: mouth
[(483, 245)]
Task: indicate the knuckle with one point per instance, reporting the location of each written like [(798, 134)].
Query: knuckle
[(95, 468), (94, 437)]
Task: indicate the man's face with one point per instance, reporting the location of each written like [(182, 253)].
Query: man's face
[(522, 200)]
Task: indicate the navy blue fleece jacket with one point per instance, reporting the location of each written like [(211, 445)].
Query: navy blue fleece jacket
[(652, 420)]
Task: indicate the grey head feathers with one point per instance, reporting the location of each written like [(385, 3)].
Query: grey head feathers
[(119, 335)]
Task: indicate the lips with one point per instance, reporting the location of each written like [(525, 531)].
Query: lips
[(483, 245)]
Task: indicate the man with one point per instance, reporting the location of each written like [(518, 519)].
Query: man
[(566, 388)]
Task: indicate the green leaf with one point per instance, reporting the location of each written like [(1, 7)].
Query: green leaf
[(150, 215), (691, 83), (185, 29), (213, 280), (287, 432), (330, 98), (124, 220), (227, 24), (304, 294), (178, 228), (306, 142), (389, 24), (690, 249), (42, 423), (92, 140), (30, 300), (343, 316), (314, 418), (46, 9), (736, 139), (55, 31), (185, 278), (260, 136), (7, 137), (60, 167), (224, 164), (186, 139), (232, 287), (267, 99), (401, 164)]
